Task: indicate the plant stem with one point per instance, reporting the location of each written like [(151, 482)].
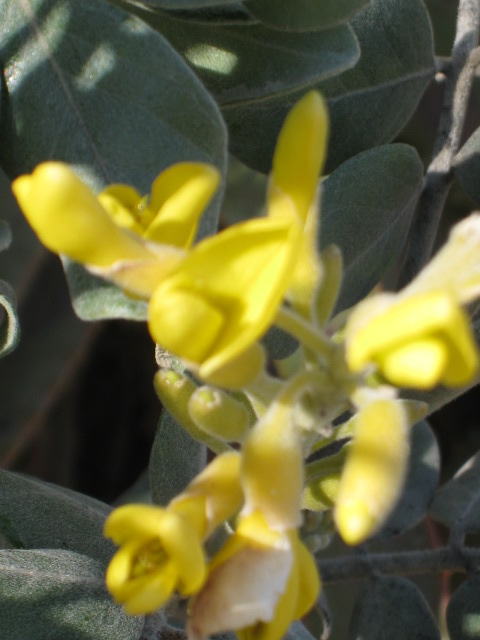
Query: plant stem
[(438, 179), (400, 563)]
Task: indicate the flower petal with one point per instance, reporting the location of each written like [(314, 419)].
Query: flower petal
[(69, 219), (179, 197)]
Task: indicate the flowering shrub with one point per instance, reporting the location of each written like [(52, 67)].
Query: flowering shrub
[(279, 348)]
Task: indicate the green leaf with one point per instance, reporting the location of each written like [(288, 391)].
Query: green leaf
[(175, 460), (367, 205), (251, 64), (457, 503), (184, 4), (304, 15), (113, 99), (368, 104), (58, 594), (5, 235), (463, 612), (44, 516), (10, 326), (393, 608), (422, 478), (467, 166)]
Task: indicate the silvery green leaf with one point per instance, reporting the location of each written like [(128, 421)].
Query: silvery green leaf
[(467, 166), (175, 460), (113, 98), (463, 611), (366, 209), (44, 516), (304, 15), (369, 103), (55, 594), (392, 607), (9, 326), (457, 503)]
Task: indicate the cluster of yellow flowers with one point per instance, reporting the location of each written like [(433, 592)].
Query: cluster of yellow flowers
[(209, 305)]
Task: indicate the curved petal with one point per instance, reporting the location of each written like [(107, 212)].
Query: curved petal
[(68, 218), (180, 194)]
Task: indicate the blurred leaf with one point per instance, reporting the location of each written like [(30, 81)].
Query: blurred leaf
[(304, 15), (370, 104), (175, 460), (467, 166), (463, 612), (248, 64), (184, 4), (421, 482), (113, 99), (45, 516), (234, 13), (5, 235), (457, 503), (367, 205), (393, 608), (94, 298), (59, 595), (10, 327)]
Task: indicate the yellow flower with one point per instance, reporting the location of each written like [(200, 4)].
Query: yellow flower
[(374, 471), (161, 551), (223, 297), (293, 189), (118, 235), (162, 548), (259, 582), (415, 341)]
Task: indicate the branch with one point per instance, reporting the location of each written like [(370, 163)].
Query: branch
[(357, 567), (439, 176)]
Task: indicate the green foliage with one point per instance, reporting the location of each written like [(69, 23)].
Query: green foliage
[(122, 90), (175, 460), (304, 15), (55, 594), (463, 612), (95, 62), (392, 606), (367, 207), (457, 503), (9, 326)]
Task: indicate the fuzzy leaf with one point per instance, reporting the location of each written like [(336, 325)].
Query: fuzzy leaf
[(368, 104), (422, 478), (175, 460), (44, 516), (457, 503), (226, 58), (304, 15), (463, 612), (114, 100), (10, 326), (58, 594), (367, 205), (393, 608), (467, 166)]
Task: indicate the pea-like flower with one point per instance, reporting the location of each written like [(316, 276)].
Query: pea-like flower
[(421, 336), (119, 235), (161, 549), (259, 582), (415, 341), (223, 297)]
